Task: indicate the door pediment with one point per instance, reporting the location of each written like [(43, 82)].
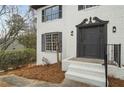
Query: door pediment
[(95, 21)]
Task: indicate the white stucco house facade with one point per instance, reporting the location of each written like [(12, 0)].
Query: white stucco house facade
[(85, 33)]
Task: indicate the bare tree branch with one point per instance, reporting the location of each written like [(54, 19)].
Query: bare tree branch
[(13, 23)]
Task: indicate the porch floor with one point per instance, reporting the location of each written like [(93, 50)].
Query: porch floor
[(89, 60)]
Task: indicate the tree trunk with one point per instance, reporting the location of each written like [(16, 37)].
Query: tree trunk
[(58, 57)]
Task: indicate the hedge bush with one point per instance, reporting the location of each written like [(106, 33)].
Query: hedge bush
[(15, 59)]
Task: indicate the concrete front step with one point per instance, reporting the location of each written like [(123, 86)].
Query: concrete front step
[(86, 78), (89, 65), (89, 73), (86, 70), (95, 68)]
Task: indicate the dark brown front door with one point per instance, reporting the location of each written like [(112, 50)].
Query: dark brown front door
[(91, 42)]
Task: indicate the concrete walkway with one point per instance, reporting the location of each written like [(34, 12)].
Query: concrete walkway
[(16, 81)]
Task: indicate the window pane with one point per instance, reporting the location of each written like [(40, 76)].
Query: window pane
[(48, 38), (48, 46), (54, 46), (48, 11), (55, 16), (55, 9), (55, 41), (55, 38), (48, 41)]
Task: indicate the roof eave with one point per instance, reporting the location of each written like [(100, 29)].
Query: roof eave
[(37, 6)]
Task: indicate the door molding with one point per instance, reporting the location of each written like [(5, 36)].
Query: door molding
[(95, 21), (92, 22)]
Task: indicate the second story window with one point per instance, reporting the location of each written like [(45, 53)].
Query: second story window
[(51, 13), (82, 7)]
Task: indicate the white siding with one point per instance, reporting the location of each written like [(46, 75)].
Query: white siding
[(72, 17)]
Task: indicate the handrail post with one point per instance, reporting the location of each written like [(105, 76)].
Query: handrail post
[(106, 70), (105, 63), (119, 55)]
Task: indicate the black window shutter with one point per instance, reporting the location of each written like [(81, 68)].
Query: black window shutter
[(43, 15), (43, 42), (60, 11), (81, 7), (60, 41)]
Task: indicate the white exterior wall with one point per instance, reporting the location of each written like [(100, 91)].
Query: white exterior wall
[(57, 25), (72, 17)]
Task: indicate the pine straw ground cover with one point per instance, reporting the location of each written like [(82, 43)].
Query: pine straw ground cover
[(51, 73), (114, 82), (4, 84)]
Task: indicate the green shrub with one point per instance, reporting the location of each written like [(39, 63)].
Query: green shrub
[(15, 59)]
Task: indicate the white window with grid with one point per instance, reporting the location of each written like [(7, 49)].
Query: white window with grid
[(50, 41)]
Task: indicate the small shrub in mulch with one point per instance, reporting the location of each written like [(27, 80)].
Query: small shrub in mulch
[(115, 82), (51, 73)]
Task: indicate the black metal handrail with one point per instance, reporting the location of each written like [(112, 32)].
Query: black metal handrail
[(116, 57), (105, 63)]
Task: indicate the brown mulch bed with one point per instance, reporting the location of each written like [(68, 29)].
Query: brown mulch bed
[(51, 73), (4, 84), (115, 82)]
